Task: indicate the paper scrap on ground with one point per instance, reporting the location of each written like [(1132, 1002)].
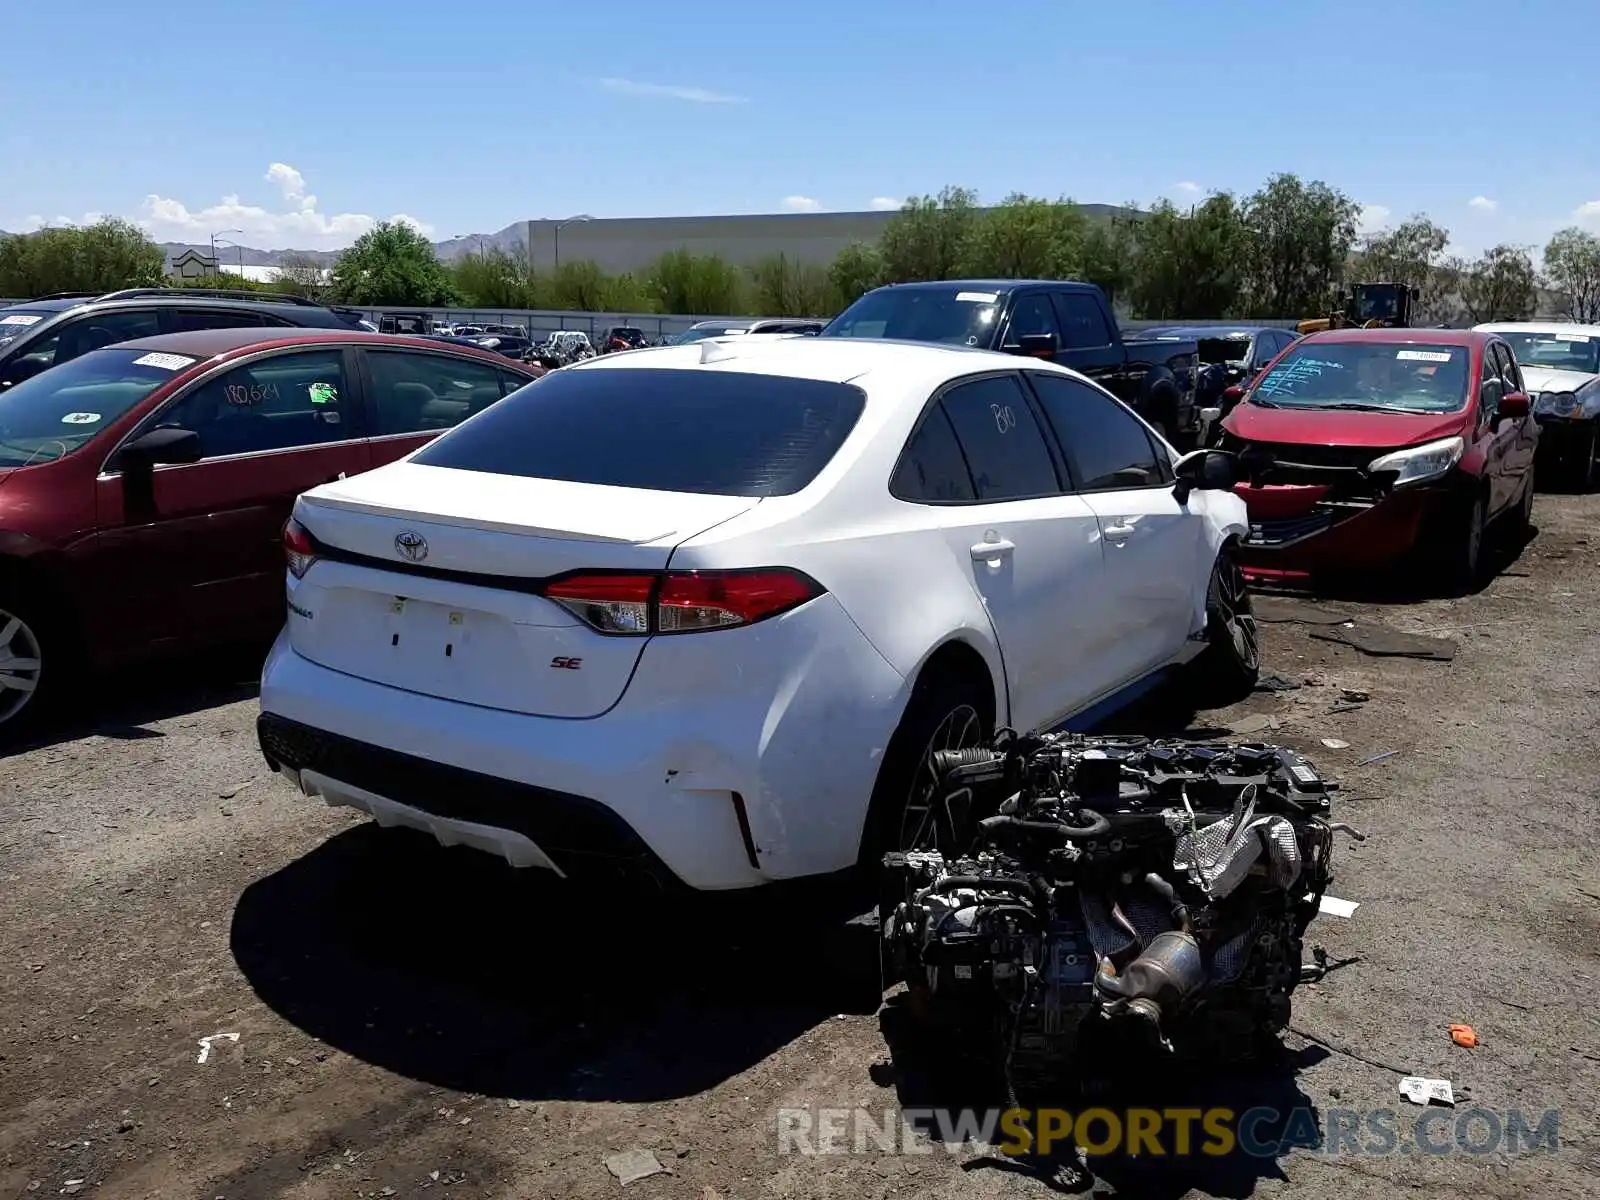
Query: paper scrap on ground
[(206, 1044), (1336, 743), (1427, 1091), (1336, 907), (630, 1166)]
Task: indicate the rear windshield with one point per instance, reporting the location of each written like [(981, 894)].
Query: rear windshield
[(57, 411), (720, 433), (1225, 350)]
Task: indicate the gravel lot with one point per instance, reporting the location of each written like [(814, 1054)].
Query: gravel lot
[(412, 1021)]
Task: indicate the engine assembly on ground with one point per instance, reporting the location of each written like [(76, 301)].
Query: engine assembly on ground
[(1092, 894)]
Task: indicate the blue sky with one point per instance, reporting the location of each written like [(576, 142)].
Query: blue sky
[(302, 122)]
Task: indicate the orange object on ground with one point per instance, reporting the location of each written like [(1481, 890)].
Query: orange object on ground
[(1463, 1035)]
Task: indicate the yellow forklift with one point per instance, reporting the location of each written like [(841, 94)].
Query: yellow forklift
[(1368, 306)]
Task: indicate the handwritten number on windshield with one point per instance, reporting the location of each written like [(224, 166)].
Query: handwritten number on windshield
[(1004, 419)]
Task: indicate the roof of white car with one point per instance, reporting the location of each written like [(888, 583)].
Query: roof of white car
[(835, 360), (1592, 331)]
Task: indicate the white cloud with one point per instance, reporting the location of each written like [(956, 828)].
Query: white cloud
[(1588, 213), (800, 204), (1189, 186), (301, 226), (1372, 218), (669, 91), (885, 204), (1483, 204), (286, 177)]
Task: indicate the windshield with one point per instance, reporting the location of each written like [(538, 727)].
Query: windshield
[(1556, 351), (1377, 304), (57, 411), (1384, 376), (14, 322), (950, 316)]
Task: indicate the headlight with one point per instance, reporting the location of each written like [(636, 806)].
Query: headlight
[(1417, 463), (1557, 404)]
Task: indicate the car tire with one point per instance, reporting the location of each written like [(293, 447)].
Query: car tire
[(1521, 519), (1230, 664), (1464, 544), (1583, 466), (945, 713), (30, 675)]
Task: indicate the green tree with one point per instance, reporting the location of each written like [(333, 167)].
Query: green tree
[(392, 264), (1413, 253), (1191, 264), (107, 255), (695, 284), (784, 287), (302, 275), (1500, 285), (854, 271), (493, 279), (1024, 237), (930, 237), (1572, 262), (1110, 254), (1301, 235)]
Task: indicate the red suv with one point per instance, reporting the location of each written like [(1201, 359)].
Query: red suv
[(1365, 444), (144, 486)]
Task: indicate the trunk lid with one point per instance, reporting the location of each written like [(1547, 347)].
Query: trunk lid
[(431, 574)]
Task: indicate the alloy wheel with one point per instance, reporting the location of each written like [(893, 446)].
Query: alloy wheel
[(961, 729), (1238, 619), (19, 665)]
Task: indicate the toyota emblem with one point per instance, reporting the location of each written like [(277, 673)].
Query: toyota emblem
[(412, 545)]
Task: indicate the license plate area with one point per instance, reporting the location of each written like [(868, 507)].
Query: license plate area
[(423, 630)]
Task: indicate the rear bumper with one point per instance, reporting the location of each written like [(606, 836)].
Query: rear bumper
[(732, 760), (1329, 538)]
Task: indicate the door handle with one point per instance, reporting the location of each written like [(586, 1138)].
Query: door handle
[(1118, 532), (999, 548)]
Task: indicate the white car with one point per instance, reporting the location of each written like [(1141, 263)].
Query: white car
[(1561, 369), (705, 611)]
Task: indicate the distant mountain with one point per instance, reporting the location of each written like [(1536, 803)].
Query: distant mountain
[(508, 239)]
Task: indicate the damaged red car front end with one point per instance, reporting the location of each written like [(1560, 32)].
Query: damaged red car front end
[(1351, 474)]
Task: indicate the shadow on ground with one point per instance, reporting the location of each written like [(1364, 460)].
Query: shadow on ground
[(1268, 1114), (121, 704), (449, 967), (1401, 585)]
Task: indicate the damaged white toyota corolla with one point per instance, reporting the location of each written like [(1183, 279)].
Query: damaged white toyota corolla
[(702, 613)]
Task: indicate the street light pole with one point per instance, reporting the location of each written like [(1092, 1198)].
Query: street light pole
[(560, 225), (214, 248)]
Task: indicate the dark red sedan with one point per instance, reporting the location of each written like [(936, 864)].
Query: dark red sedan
[(1368, 446), (144, 486)]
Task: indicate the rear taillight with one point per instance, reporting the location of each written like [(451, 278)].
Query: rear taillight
[(298, 548), (680, 601)]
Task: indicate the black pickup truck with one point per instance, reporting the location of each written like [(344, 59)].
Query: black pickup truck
[(1063, 321)]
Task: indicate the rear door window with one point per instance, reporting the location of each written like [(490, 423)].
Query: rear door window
[(725, 433), (277, 403), (414, 392), (1031, 314), (1004, 448)]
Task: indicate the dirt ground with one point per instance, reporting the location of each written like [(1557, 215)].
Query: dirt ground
[(413, 1021)]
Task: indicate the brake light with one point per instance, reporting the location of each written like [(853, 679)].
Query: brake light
[(298, 548), (681, 601)]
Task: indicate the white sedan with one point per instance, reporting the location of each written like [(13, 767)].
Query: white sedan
[(704, 612), (1560, 366)]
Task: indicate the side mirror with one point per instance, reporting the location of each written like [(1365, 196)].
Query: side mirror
[(1205, 470), (1514, 405), (1233, 394), (167, 444), (1037, 345)]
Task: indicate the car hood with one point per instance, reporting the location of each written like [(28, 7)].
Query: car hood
[(1550, 379), (1327, 427)]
